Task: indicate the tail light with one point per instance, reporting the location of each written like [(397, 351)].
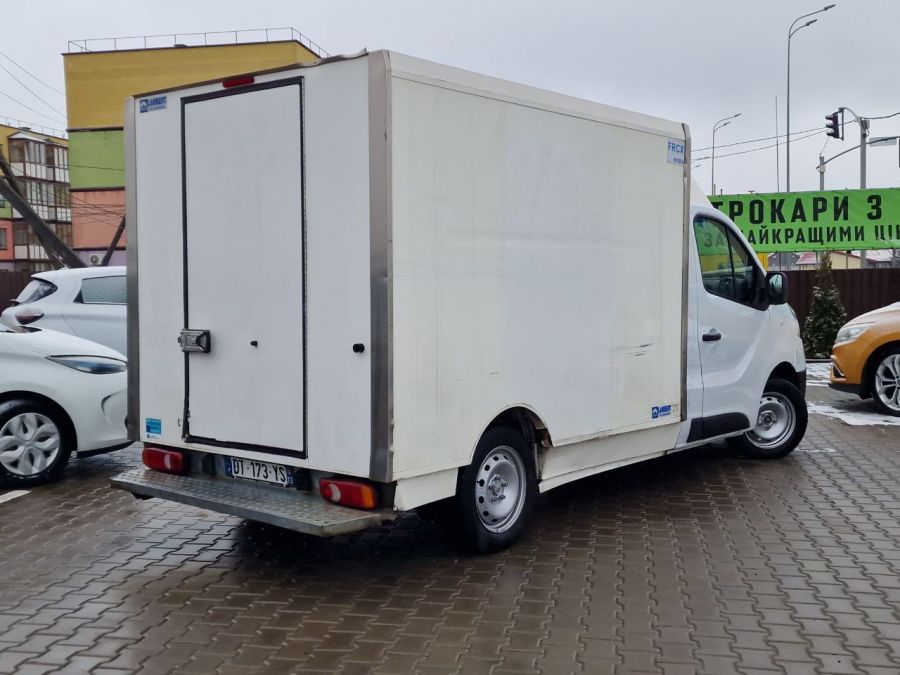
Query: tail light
[(27, 316), (348, 492), (168, 461)]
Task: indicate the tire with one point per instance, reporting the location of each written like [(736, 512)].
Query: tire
[(884, 382), (35, 443), (497, 492), (780, 425)]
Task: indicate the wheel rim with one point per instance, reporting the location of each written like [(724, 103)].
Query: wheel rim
[(775, 421), (500, 489), (29, 443), (887, 382)]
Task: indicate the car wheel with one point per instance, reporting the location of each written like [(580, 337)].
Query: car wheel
[(34, 443), (780, 423), (885, 386), (497, 492)]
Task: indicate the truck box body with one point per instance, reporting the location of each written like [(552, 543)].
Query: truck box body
[(387, 254)]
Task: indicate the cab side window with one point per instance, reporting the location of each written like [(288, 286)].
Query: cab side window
[(726, 266)]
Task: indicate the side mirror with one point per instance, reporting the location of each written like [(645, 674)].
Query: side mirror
[(776, 288)]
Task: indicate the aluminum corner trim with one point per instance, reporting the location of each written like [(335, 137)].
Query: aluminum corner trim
[(131, 276), (685, 258), (380, 261)]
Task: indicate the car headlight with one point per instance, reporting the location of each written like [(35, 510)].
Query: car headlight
[(851, 332), (96, 365)]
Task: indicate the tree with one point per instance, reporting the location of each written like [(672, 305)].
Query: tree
[(826, 313)]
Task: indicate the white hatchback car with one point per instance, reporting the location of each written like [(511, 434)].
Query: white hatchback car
[(59, 394), (87, 302)]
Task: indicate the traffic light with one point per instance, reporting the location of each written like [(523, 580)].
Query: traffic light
[(834, 126)]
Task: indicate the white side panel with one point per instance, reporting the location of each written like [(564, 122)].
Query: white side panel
[(424, 489), (337, 208), (537, 262), (578, 460)]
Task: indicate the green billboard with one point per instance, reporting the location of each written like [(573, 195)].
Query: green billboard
[(838, 220)]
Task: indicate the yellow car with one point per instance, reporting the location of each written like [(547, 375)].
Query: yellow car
[(865, 359)]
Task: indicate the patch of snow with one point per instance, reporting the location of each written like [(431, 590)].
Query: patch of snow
[(854, 418)]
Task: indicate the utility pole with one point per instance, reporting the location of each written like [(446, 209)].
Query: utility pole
[(777, 151), (863, 133), (821, 172), (791, 31)]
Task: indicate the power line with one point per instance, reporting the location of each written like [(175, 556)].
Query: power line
[(30, 90), (25, 70), (25, 105), (793, 133), (101, 168), (95, 207), (760, 140), (765, 147)]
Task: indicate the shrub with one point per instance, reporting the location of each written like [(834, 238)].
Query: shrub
[(826, 313)]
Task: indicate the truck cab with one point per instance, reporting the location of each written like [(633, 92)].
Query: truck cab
[(744, 338)]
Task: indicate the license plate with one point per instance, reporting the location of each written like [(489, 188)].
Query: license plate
[(265, 472)]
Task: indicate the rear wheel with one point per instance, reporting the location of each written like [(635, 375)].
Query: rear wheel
[(497, 492), (885, 386), (780, 423), (34, 445)]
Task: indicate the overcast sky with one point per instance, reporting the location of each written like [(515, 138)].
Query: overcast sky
[(694, 61)]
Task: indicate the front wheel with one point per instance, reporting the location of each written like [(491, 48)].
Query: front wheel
[(497, 492), (886, 383), (780, 423), (34, 446)]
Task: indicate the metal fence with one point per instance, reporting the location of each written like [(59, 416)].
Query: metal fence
[(860, 290), (11, 284)]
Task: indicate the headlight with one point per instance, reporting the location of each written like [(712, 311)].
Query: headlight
[(848, 333), (97, 365)]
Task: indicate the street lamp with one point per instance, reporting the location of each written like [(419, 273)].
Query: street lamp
[(724, 122), (794, 29)]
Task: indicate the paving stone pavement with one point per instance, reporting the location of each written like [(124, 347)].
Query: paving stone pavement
[(701, 562)]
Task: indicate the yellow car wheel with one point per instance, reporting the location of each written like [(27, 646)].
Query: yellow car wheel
[(885, 386)]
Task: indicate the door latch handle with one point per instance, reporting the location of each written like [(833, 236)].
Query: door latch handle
[(712, 335), (195, 341)]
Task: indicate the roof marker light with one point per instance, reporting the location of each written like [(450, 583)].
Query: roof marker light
[(239, 81)]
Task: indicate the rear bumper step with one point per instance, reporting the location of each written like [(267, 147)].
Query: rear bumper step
[(284, 507)]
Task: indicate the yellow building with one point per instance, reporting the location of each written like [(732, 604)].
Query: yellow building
[(39, 159), (99, 82)]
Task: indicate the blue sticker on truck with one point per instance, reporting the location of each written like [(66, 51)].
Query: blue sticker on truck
[(152, 103), (658, 411), (153, 427), (674, 151)]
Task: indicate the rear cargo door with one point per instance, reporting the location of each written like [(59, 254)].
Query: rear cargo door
[(244, 268)]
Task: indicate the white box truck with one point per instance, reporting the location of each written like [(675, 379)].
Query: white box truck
[(376, 283)]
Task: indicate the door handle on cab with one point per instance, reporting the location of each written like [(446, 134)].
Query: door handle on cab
[(712, 335)]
